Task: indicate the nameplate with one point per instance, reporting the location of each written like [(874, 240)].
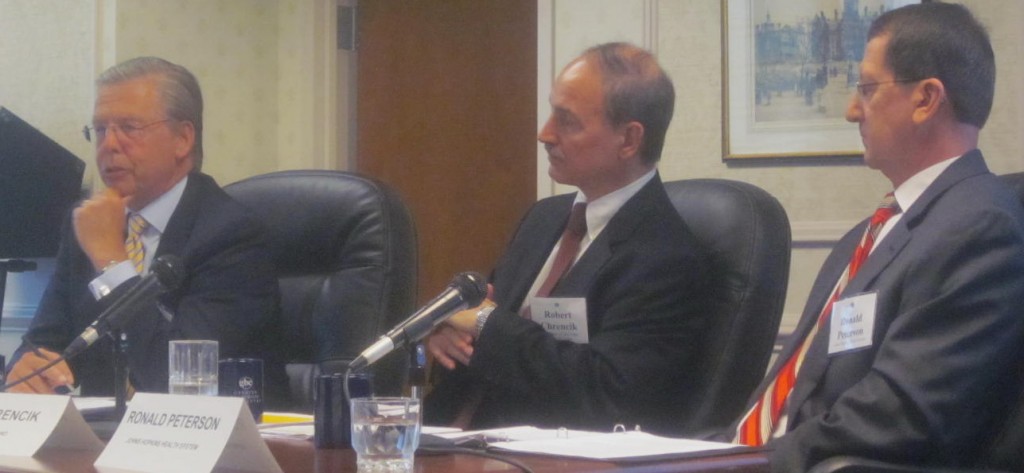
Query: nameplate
[(172, 432), (30, 422), (565, 318)]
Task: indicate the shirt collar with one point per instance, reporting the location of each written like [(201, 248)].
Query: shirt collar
[(159, 212), (601, 211), (911, 189)]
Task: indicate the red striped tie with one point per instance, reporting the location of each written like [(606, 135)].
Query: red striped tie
[(759, 423)]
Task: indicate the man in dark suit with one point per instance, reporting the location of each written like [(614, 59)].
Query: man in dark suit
[(918, 358), (147, 128), (629, 352)]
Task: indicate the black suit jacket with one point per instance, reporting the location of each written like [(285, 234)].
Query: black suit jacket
[(644, 280), (229, 294), (946, 355)]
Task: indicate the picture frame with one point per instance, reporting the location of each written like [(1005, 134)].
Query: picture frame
[(789, 70)]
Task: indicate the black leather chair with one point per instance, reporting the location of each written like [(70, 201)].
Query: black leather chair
[(746, 232), (345, 249), (1004, 454)]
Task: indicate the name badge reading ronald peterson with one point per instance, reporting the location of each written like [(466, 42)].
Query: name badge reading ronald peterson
[(852, 323), (565, 318)]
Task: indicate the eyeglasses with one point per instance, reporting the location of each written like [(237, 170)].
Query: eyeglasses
[(865, 89), (131, 131)]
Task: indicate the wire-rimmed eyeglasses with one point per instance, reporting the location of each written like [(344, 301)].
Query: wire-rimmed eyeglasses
[(865, 88), (127, 130)]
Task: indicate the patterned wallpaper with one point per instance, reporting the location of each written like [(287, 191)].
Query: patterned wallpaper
[(232, 48), (46, 67), (268, 82), (823, 199)]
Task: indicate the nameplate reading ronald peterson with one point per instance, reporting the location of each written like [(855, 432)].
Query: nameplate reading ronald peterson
[(169, 432)]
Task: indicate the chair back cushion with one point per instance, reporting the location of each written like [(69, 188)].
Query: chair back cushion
[(345, 250), (1006, 451), (746, 232)]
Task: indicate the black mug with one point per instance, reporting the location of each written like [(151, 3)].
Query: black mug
[(243, 377), (332, 418)]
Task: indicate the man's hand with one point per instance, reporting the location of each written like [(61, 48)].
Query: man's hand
[(99, 227), (450, 343), (453, 341), (57, 376)]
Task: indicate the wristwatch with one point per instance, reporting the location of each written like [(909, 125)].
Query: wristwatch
[(481, 317)]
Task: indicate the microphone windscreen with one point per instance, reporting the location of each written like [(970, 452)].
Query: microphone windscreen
[(169, 270), (472, 286)]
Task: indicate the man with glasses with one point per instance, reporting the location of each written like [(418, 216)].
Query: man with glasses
[(909, 349), (147, 128)]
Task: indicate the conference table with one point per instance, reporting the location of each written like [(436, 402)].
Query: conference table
[(300, 456)]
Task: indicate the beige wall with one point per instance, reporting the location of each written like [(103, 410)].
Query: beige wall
[(267, 69), (270, 75), (823, 200)]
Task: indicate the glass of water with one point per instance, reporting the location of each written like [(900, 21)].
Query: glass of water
[(192, 367), (385, 433)]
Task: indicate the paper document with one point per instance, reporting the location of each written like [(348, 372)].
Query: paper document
[(618, 446), (89, 404)]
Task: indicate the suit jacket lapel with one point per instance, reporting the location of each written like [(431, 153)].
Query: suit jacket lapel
[(820, 293), (173, 242), (527, 263), (179, 227), (638, 208), (817, 359)]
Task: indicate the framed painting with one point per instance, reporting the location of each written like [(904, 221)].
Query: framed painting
[(789, 70)]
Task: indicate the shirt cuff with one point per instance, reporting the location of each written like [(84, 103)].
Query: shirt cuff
[(112, 277)]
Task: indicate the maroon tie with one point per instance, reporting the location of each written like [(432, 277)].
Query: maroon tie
[(568, 246)]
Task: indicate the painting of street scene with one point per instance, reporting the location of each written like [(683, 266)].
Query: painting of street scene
[(806, 56)]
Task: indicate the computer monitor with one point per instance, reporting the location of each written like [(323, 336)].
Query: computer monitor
[(39, 182)]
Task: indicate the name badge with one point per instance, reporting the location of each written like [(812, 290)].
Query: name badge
[(565, 318), (852, 323), (168, 432)]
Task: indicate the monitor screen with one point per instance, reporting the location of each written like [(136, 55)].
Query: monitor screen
[(39, 182)]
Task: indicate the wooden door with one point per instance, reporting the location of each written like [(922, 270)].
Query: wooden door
[(446, 113)]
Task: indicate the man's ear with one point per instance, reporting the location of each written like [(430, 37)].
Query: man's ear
[(929, 97), (632, 139)]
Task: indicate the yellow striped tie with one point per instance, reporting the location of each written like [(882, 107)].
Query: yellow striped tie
[(136, 252)]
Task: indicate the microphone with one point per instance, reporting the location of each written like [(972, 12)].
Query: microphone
[(165, 274), (466, 290)]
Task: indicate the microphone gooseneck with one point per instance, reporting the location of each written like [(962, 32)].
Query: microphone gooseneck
[(166, 274), (466, 290)]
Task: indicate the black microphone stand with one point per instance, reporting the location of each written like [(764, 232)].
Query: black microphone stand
[(9, 266), (417, 370), (120, 373)]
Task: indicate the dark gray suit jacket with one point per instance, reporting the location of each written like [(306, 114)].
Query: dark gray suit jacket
[(947, 347), (644, 279), (229, 294)]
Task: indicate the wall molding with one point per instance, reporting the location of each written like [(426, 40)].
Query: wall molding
[(825, 231), (651, 26)]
